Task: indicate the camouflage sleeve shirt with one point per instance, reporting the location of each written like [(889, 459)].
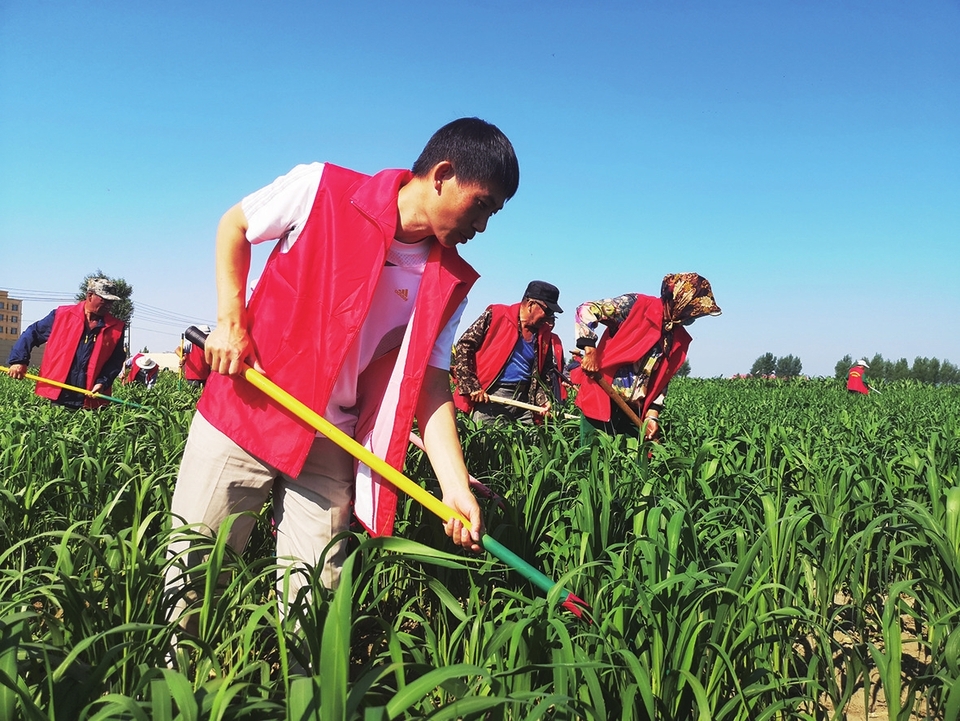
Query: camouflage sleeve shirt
[(465, 362), (465, 354)]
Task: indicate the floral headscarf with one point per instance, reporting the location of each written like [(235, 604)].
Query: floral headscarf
[(686, 296)]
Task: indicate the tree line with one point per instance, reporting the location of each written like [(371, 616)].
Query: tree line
[(767, 365), (932, 371), (924, 370)]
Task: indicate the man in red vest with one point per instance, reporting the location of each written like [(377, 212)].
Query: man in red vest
[(193, 362), (507, 354), (354, 314), (643, 345), (84, 348), (855, 382), (141, 368)]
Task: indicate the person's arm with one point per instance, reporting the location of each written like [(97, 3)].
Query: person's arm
[(652, 416), (230, 345), (465, 358), (436, 418), (611, 312), (36, 334)]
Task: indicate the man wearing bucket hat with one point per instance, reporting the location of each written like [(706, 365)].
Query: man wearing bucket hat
[(84, 348), (193, 362), (507, 354), (141, 369), (855, 382)]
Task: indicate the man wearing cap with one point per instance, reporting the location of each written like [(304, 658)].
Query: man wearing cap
[(193, 362), (141, 369), (84, 348), (507, 354), (855, 382)]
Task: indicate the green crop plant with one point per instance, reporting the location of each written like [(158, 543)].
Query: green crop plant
[(787, 550)]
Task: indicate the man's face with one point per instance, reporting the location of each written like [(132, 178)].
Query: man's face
[(534, 314), (97, 305), (461, 210)]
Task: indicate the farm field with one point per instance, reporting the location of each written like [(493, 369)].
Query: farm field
[(790, 551)]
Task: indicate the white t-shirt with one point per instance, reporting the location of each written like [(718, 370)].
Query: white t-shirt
[(279, 212)]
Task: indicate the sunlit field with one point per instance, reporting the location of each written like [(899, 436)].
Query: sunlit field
[(790, 551)]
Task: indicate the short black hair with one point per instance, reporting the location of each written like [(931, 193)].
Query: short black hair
[(478, 151)]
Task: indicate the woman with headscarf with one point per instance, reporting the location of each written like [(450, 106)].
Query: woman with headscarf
[(643, 345)]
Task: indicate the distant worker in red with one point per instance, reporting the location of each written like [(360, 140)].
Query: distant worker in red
[(84, 348), (855, 382), (193, 362), (143, 369)]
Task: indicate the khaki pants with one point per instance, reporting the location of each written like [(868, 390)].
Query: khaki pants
[(218, 478)]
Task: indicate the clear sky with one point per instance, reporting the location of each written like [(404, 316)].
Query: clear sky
[(803, 156)]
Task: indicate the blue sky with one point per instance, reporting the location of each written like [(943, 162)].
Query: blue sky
[(803, 156)]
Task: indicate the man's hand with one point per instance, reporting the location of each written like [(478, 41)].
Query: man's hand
[(466, 505), (227, 348), (17, 370), (480, 397)]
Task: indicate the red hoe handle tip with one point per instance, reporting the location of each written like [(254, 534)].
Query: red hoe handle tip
[(575, 605)]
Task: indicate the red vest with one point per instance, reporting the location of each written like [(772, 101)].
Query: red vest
[(855, 381), (69, 324), (308, 308), (195, 366), (558, 359), (635, 338), (497, 345)]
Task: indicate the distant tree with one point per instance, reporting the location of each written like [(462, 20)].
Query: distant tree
[(123, 308), (926, 370), (765, 365), (900, 371), (843, 367), (949, 373), (932, 371), (788, 366), (684, 370)]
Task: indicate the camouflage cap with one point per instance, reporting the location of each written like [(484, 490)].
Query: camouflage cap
[(102, 287)]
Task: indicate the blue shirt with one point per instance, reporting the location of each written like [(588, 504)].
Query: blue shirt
[(520, 364)]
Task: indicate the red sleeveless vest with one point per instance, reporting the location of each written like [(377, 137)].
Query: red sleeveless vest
[(633, 340), (557, 344), (855, 381), (61, 346), (498, 343), (195, 366), (308, 308)]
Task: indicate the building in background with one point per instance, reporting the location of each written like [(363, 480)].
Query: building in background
[(11, 323)]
